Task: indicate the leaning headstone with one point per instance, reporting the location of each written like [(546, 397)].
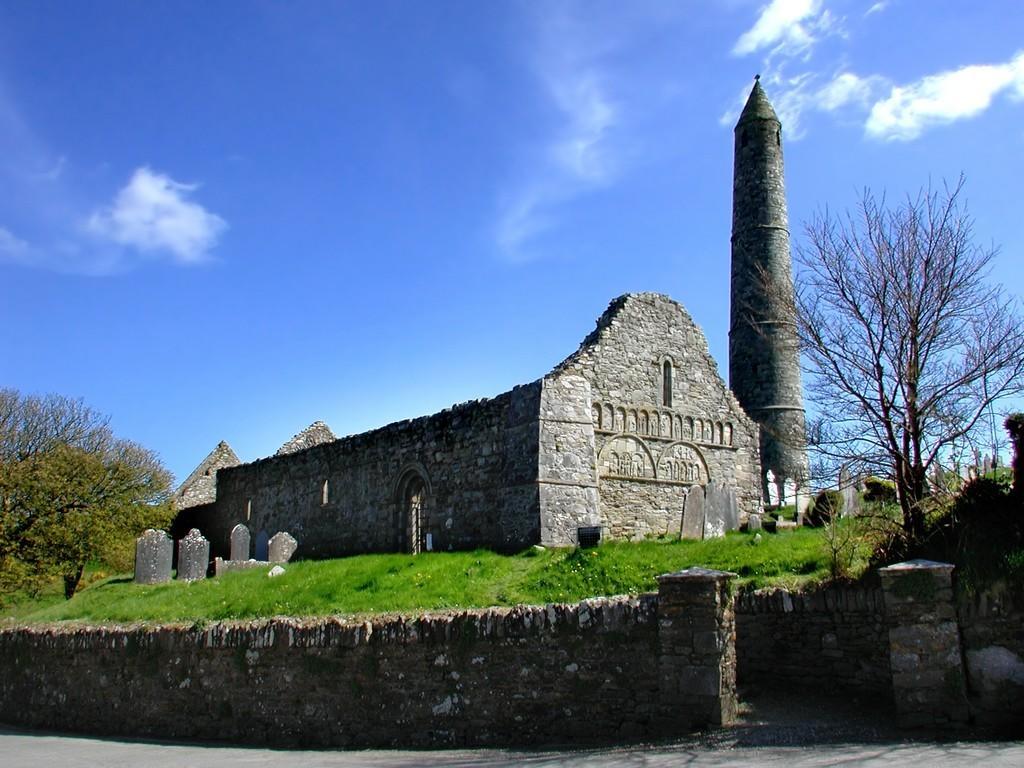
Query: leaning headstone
[(153, 554), (754, 522), (262, 546), (239, 542), (193, 556), (715, 503), (693, 514), (281, 547)]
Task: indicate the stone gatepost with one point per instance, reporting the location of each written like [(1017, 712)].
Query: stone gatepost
[(924, 644), (697, 659)]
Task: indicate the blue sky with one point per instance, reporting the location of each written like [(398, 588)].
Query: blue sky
[(227, 220)]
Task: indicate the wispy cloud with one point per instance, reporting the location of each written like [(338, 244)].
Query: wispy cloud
[(877, 7), (944, 98), (578, 156), (13, 248), (152, 214), (786, 27), (52, 217)]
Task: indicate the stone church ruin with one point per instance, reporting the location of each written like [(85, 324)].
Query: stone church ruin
[(636, 432)]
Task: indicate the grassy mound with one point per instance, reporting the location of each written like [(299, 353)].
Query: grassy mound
[(382, 583)]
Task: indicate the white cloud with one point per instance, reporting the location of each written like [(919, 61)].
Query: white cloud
[(794, 97), (877, 7), (152, 214), (943, 98), (788, 27), (847, 88)]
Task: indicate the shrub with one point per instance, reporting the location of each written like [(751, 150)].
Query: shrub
[(877, 489), (827, 505)]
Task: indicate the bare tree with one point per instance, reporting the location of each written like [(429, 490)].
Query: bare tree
[(907, 341)]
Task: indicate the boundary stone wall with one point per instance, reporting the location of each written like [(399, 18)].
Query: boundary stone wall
[(605, 670), (832, 637), (992, 633)]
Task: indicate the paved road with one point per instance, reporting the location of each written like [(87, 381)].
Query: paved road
[(785, 729), (24, 749)]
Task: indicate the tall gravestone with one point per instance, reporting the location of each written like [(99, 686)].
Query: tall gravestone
[(153, 555), (693, 514), (262, 547), (239, 542), (193, 556), (281, 547), (721, 513)]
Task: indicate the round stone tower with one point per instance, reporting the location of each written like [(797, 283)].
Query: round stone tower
[(764, 354)]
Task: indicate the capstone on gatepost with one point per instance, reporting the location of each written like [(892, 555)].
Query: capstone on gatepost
[(764, 352)]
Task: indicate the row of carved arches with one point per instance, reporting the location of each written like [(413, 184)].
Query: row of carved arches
[(628, 457), (643, 421)]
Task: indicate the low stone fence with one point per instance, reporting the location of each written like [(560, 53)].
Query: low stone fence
[(832, 637), (992, 631), (944, 660), (605, 670)]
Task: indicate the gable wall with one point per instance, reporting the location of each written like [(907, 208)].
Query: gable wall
[(704, 436)]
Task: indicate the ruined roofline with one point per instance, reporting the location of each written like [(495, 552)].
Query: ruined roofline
[(615, 308), (315, 434), (222, 448), (222, 456), (396, 426)]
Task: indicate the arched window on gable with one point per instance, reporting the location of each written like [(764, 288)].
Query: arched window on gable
[(666, 384)]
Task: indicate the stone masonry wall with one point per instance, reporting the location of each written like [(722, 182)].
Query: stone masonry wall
[(830, 638), (992, 632), (649, 450), (588, 673), (566, 462), (476, 461)]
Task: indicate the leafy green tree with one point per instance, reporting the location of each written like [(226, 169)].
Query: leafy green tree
[(70, 490)]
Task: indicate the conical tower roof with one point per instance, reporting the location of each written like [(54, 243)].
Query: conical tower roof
[(758, 107)]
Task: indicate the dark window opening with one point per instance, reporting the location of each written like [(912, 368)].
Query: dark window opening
[(666, 384)]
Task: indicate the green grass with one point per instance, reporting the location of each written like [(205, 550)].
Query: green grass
[(388, 583)]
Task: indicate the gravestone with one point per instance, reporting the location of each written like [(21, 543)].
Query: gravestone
[(716, 505), (193, 556), (754, 522), (153, 554), (281, 547), (726, 510), (239, 542), (693, 514), (851, 500), (773, 488), (262, 546)]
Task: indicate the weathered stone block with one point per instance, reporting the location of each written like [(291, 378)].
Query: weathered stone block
[(240, 540), (193, 556), (153, 553), (281, 547)]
